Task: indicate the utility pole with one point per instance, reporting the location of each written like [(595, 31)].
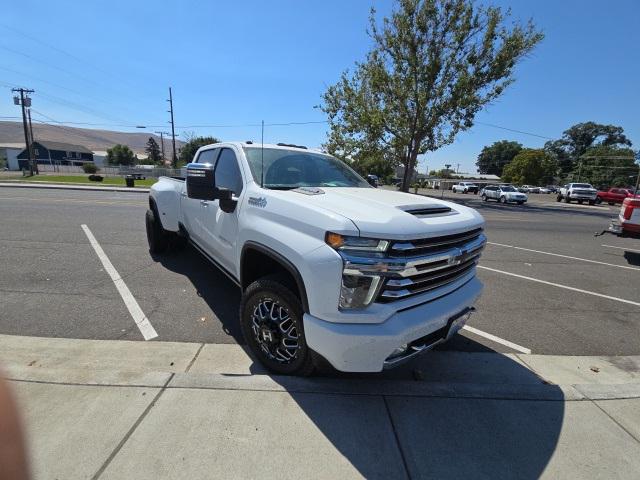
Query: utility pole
[(174, 160), (21, 100), (162, 142), (32, 141)]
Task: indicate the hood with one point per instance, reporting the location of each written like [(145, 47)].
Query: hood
[(393, 215)]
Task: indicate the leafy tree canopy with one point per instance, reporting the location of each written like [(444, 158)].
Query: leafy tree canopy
[(607, 166), (153, 151), (531, 167), (120, 155), (493, 158), (578, 139), (190, 148), (433, 66)]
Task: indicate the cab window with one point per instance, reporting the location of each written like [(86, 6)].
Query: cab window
[(227, 173), (207, 156)]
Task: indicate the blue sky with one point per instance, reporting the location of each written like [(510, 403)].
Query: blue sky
[(237, 63)]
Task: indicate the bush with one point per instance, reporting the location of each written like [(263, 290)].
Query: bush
[(96, 178), (89, 168)]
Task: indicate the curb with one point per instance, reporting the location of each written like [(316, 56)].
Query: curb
[(323, 385), (65, 186), (448, 374)]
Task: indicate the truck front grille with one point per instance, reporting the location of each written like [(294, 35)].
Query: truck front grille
[(432, 263)]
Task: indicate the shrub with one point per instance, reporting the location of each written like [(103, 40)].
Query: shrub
[(96, 178), (89, 168)]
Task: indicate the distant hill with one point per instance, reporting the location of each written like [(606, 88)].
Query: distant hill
[(11, 132)]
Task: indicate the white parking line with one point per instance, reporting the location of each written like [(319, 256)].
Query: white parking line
[(573, 289), (493, 338), (621, 248), (142, 322), (564, 256)]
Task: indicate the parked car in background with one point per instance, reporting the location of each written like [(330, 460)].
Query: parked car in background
[(552, 188), (503, 194), (579, 192), (615, 195), (465, 187), (373, 180), (529, 189), (544, 190)]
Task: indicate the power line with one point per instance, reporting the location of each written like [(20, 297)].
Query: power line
[(513, 130)]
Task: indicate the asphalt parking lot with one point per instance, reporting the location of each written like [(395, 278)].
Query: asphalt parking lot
[(551, 287)]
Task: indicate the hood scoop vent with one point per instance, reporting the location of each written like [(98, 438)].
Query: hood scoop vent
[(434, 211)]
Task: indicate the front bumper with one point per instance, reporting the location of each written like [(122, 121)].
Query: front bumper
[(580, 196), (362, 347)]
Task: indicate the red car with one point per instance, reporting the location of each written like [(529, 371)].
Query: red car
[(615, 195)]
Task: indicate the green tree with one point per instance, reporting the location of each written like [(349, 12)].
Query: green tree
[(578, 139), (532, 166), (120, 155), (606, 166), (433, 66), (153, 151), (493, 158), (190, 148)]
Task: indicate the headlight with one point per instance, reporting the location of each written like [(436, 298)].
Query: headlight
[(344, 242), (358, 291)]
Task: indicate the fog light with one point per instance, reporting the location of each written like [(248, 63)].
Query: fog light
[(398, 352)]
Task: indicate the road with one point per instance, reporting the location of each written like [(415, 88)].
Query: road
[(550, 286)]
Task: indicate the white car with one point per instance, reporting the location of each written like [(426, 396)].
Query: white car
[(328, 266), (503, 194), (544, 190), (465, 187)]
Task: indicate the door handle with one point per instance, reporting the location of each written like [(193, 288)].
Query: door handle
[(204, 202), (183, 195)]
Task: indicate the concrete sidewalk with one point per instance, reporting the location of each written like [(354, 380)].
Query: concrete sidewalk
[(115, 409), (71, 186)]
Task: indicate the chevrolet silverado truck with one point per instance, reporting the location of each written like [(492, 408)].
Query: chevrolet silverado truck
[(329, 267), (580, 192)]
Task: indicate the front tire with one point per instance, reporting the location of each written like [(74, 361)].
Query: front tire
[(157, 236), (559, 198), (484, 198), (592, 202), (271, 322), (503, 200), (567, 199)]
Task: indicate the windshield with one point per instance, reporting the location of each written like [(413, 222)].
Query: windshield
[(287, 169), (581, 185), (508, 189)]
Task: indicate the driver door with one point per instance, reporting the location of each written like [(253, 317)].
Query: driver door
[(220, 229)]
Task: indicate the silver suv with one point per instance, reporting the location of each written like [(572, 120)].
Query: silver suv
[(503, 194)]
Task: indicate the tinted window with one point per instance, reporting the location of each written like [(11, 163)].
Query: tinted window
[(227, 172), (207, 156), (287, 169)]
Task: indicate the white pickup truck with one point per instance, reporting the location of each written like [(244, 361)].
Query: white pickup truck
[(580, 192), (329, 267)]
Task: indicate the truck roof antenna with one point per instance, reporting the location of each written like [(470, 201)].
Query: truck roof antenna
[(262, 156)]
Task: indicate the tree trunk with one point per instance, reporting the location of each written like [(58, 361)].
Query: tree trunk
[(409, 165)]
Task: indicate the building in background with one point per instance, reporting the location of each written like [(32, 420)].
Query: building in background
[(56, 153), (9, 155)]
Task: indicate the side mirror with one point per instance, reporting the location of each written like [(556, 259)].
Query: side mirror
[(227, 202), (200, 181)]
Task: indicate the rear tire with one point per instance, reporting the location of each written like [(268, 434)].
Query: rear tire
[(503, 199), (559, 198), (592, 202), (520, 202), (271, 322), (484, 198), (611, 203), (157, 236), (567, 199), (580, 202)]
